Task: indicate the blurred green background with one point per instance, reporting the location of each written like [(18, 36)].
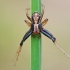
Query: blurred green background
[(13, 28)]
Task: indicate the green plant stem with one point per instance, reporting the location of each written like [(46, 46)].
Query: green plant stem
[(35, 41)]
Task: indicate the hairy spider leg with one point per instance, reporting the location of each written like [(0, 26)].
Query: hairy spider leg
[(26, 36), (20, 47), (48, 34)]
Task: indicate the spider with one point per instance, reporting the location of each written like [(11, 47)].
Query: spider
[(36, 27)]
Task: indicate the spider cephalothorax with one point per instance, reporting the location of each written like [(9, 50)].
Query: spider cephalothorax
[(36, 16)]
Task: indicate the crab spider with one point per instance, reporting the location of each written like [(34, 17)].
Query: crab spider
[(36, 27)]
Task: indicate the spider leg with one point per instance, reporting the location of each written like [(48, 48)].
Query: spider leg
[(20, 47), (26, 36), (48, 34), (43, 7), (44, 22), (28, 23), (28, 14)]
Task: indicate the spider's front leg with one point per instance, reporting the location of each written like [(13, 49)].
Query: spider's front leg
[(49, 35), (20, 47), (23, 40), (26, 36)]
